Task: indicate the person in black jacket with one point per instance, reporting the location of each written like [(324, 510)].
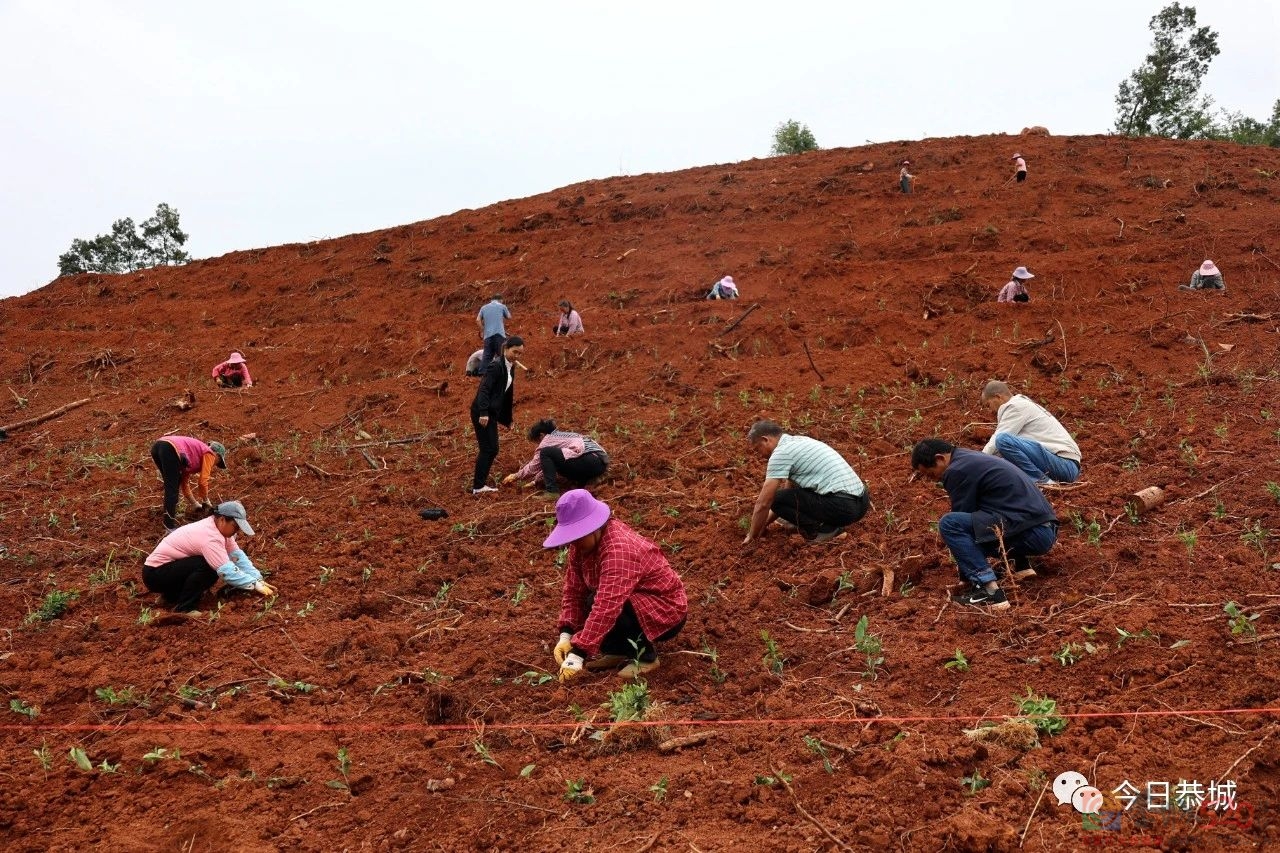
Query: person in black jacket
[(494, 404), (994, 507)]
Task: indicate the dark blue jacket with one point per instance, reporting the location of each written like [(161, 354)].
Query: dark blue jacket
[(996, 493)]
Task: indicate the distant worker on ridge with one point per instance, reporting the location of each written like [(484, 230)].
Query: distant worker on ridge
[(233, 373), (493, 331), (1016, 289), (569, 322), (1207, 277), (1019, 167), (906, 180)]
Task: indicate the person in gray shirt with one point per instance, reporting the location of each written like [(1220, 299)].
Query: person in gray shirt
[(493, 330), (808, 486)]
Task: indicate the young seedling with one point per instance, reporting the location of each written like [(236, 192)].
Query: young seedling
[(1188, 539), (1126, 636), (482, 750), (1041, 712), (17, 706), (577, 791), (843, 583), (1068, 654), (773, 658), (630, 703), (1239, 621), (1273, 489), (869, 645), (344, 768), (974, 782), (771, 781), (527, 770), (817, 748), (659, 790), (77, 756), (43, 757), (161, 753), (521, 593), (1257, 536), (124, 696), (957, 663), (55, 603), (107, 574), (285, 686), (1093, 532), (442, 595), (717, 674), (145, 616)]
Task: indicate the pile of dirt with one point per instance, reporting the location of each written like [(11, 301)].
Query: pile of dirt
[(395, 696)]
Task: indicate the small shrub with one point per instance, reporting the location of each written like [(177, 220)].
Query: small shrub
[(1041, 712), (55, 603)]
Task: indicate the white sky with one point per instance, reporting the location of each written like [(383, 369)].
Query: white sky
[(274, 122)]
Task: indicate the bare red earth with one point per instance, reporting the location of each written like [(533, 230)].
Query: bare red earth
[(893, 296)]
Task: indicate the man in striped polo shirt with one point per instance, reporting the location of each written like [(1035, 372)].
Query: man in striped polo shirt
[(808, 486)]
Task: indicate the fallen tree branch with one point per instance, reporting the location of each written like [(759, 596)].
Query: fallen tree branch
[(669, 746), (805, 344), (47, 416), (409, 439), (795, 801)]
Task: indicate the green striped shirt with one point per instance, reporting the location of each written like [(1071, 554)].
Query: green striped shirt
[(810, 464)]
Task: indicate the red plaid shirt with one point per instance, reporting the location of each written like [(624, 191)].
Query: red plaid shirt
[(624, 567)]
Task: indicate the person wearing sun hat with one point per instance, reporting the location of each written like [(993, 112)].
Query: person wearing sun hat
[(1019, 167), (905, 178), (1207, 277), (179, 457), (233, 373), (1016, 289), (621, 596), (190, 560)]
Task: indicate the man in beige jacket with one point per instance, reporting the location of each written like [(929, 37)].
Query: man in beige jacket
[(1030, 437)]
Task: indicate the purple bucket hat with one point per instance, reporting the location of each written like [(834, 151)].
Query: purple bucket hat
[(577, 514)]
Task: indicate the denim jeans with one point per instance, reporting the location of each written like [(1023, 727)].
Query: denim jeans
[(956, 529), (1031, 458)]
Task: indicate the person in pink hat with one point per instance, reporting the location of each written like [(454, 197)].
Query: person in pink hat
[(621, 596), (233, 373), (1019, 167), (725, 288), (1016, 289), (1207, 277)]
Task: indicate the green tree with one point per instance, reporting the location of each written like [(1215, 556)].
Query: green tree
[(1162, 96), (1238, 127), (792, 137), (124, 249)]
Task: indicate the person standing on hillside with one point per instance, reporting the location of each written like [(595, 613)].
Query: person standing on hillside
[(994, 509), (577, 458), (906, 180), (569, 322), (1016, 289), (1030, 437), (190, 559), (808, 485), (178, 457), (493, 329), (1207, 277), (494, 404), (621, 597), (1019, 167), (233, 373)]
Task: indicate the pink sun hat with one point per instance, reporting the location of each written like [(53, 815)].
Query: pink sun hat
[(235, 358), (577, 514), (1209, 268)]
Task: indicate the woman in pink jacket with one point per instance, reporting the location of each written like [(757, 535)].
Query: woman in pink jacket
[(577, 458), (233, 373), (179, 457)]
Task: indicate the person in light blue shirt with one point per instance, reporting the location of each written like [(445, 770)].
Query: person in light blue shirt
[(493, 330)]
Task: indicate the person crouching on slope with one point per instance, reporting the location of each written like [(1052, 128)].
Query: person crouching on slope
[(189, 560), (621, 596)]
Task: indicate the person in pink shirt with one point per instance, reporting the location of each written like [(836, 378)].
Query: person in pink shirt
[(570, 322), (1016, 289), (189, 561), (233, 373), (577, 458), (1019, 167), (179, 457)]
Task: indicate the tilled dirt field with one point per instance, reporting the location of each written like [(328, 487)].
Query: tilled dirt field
[(395, 695)]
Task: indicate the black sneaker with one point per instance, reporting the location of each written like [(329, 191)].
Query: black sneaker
[(979, 597)]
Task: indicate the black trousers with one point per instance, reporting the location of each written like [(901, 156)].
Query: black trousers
[(1022, 176), (181, 582), (627, 639), (578, 470), (492, 349), (166, 457), (813, 513), (231, 380), (487, 436)]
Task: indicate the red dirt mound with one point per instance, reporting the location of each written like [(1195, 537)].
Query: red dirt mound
[(395, 695)]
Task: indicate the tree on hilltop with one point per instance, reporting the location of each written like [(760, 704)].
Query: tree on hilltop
[(1162, 96), (125, 249), (792, 137)]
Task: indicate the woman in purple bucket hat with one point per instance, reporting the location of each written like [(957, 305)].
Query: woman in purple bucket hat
[(621, 596)]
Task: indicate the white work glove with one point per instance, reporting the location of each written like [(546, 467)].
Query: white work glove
[(571, 668), (264, 588), (562, 648)]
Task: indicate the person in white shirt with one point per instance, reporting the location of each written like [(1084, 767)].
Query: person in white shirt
[(1030, 437)]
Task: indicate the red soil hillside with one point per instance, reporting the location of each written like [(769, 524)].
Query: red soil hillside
[(419, 648)]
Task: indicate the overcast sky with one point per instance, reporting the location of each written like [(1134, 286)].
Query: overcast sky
[(273, 122)]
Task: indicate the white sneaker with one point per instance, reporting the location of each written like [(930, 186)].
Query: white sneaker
[(483, 489)]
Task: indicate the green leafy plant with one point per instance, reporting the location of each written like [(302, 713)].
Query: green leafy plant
[(957, 663), (974, 782), (527, 770), (659, 790), (869, 645), (1239, 621), (296, 686), (773, 658), (109, 573), (1256, 536), (1188, 539), (77, 756), (146, 616), (55, 604), (521, 593), (817, 747), (1093, 532), (1273, 489), (1127, 636), (124, 696), (441, 597), (577, 791), (1041, 712), (482, 750), (17, 706), (344, 769), (791, 137), (1068, 654), (717, 674), (630, 703), (43, 757), (161, 753), (1219, 510)]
